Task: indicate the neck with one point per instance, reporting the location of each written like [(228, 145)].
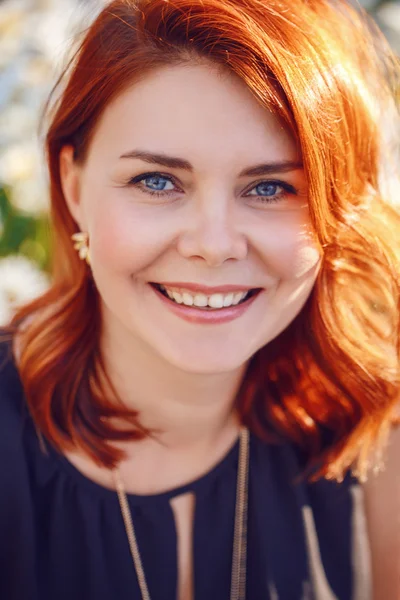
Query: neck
[(188, 409)]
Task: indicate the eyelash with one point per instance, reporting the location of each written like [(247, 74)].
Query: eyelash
[(287, 188)]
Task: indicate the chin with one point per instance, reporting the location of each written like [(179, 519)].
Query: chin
[(212, 361), (207, 367)]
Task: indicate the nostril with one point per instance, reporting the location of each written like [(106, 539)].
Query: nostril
[(214, 244)]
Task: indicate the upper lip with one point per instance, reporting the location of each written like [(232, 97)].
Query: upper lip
[(206, 289)]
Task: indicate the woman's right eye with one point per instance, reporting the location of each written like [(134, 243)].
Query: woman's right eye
[(153, 184)]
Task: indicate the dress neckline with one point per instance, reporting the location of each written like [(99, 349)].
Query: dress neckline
[(228, 461)]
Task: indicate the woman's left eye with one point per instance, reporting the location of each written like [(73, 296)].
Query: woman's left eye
[(271, 191)]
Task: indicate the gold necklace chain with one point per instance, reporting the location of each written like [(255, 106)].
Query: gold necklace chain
[(239, 552)]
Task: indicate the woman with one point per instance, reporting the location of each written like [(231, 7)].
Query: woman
[(220, 342)]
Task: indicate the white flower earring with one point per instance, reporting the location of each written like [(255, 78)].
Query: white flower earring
[(81, 244)]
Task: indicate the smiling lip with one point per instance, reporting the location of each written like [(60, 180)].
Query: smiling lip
[(205, 289), (211, 316)]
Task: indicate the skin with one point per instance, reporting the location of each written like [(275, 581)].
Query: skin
[(206, 231), (382, 503), (211, 228)]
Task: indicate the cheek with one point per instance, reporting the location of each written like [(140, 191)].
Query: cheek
[(305, 256), (290, 251), (126, 238)]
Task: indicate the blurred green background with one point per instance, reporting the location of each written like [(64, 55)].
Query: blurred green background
[(34, 35)]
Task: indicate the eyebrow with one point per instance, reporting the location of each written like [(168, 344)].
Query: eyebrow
[(173, 162)]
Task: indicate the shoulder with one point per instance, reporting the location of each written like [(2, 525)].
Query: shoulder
[(15, 419), (322, 524), (14, 423), (285, 468), (12, 405), (382, 504)]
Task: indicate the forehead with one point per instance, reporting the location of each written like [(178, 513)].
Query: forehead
[(194, 111)]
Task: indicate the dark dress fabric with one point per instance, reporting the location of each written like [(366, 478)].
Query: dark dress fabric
[(62, 536)]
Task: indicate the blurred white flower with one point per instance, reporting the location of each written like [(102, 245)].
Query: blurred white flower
[(11, 28), (18, 162), (15, 118), (29, 197), (20, 281), (22, 171), (34, 35)]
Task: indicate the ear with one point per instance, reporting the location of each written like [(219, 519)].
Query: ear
[(70, 176)]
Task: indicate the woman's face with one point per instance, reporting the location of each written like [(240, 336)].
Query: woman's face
[(195, 202)]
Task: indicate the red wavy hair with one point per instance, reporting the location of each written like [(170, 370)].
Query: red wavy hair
[(330, 381)]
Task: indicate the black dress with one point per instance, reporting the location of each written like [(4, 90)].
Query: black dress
[(62, 536)]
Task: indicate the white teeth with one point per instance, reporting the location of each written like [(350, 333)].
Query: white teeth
[(187, 299), (200, 300), (238, 297), (228, 300), (216, 301), (177, 297)]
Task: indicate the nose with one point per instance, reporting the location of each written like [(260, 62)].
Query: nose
[(213, 234)]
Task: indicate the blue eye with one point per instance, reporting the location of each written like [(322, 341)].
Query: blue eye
[(267, 188), (271, 191), (154, 184), (157, 183)]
